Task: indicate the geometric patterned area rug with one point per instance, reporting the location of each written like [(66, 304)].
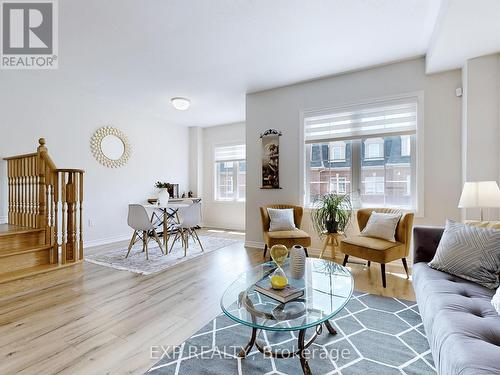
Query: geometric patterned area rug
[(376, 335), (137, 263)]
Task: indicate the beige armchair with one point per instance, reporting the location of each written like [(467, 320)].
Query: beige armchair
[(378, 250), (284, 237)]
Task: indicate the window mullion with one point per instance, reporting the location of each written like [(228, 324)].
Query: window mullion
[(356, 167)]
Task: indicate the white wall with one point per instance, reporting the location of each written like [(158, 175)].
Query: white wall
[(35, 108), (280, 108), (481, 124), (227, 215)]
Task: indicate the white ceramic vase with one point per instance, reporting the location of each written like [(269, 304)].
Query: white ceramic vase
[(297, 262), (163, 197)]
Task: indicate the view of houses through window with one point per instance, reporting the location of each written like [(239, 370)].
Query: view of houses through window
[(230, 173), (371, 163)]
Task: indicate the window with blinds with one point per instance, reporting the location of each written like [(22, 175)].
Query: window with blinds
[(230, 173), (233, 152), (382, 119), (367, 151)]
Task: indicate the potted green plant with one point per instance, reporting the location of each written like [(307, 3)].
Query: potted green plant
[(331, 213)]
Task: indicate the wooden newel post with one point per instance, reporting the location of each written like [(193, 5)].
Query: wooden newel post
[(71, 228)]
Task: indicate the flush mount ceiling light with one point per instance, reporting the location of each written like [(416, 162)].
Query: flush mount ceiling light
[(180, 104)]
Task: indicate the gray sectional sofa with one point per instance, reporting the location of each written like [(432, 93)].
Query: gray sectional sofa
[(462, 326)]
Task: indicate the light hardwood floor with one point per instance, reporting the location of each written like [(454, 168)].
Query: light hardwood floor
[(90, 319)]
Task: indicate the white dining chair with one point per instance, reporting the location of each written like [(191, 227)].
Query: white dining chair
[(139, 221), (190, 221)]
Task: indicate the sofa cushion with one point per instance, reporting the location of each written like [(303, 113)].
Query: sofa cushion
[(462, 326), (470, 252)]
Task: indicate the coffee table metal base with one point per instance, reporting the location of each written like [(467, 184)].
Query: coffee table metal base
[(302, 346)]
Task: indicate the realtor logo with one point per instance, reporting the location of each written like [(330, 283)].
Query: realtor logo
[(29, 34)]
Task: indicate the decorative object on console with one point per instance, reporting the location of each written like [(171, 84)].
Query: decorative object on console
[(469, 252), (297, 261), (481, 194), (382, 225), (270, 159), (281, 219), (110, 147)]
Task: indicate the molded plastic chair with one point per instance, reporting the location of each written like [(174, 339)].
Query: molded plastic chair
[(139, 221), (190, 221)]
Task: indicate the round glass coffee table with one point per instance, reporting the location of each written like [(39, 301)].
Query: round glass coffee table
[(327, 288)]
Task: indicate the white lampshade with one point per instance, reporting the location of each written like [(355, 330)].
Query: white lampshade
[(480, 194)]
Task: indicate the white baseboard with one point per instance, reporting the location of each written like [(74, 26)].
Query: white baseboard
[(227, 226), (107, 240), (254, 244), (4, 219)]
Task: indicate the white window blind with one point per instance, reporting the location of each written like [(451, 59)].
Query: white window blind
[(234, 152), (372, 120)]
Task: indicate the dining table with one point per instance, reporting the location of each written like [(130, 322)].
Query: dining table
[(170, 213)]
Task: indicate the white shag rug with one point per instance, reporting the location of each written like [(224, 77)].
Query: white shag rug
[(137, 263)]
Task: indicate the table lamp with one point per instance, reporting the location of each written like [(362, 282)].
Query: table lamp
[(480, 194)]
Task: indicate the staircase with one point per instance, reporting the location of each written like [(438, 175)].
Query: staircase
[(44, 230)]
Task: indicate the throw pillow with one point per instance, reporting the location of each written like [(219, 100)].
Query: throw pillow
[(381, 225), (469, 252), (281, 219), (496, 301)]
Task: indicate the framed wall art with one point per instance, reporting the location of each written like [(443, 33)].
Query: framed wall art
[(270, 159)]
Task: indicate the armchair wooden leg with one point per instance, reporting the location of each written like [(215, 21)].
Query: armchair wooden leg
[(382, 269), (346, 258), (265, 251), (405, 265), (305, 250)]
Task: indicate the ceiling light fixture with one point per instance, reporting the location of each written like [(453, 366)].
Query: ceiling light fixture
[(180, 104)]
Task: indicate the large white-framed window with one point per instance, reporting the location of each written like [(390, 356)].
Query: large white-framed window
[(379, 165), (230, 173)]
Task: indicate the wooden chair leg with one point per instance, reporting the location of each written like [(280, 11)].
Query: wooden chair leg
[(176, 237), (186, 240), (382, 269), (198, 238), (346, 258), (369, 263), (132, 241), (157, 239), (405, 265), (265, 251), (305, 250), (145, 241)]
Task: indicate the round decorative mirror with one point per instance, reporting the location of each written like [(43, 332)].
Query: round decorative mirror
[(110, 147)]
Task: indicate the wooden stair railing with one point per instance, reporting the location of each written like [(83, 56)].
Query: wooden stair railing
[(43, 197)]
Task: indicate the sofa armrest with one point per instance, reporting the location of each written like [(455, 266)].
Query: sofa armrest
[(425, 243)]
